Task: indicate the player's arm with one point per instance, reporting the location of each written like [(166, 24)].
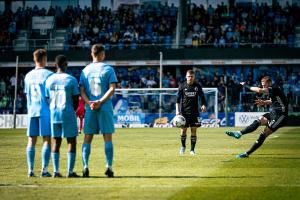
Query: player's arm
[(255, 89), (84, 96), (107, 95), (203, 100), (75, 101), (178, 100), (261, 102)]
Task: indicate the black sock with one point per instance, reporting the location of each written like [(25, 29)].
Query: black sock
[(183, 139), (193, 142), (257, 144), (252, 127)]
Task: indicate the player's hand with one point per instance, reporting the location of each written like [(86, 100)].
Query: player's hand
[(203, 108), (95, 105), (259, 102), (243, 83)]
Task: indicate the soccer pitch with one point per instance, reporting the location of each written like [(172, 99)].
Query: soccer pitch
[(147, 165)]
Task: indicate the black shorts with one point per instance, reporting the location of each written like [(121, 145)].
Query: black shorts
[(192, 120), (276, 120)]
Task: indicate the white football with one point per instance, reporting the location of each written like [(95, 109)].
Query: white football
[(179, 121)]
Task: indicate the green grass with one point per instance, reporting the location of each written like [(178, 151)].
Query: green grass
[(147, 165)]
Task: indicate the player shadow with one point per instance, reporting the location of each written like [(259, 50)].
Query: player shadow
[(283, 158), (179, 177)]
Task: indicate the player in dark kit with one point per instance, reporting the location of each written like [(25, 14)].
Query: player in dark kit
[(187, 106), (273, 120)]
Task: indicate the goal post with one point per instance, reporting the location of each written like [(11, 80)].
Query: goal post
[(147, 107)]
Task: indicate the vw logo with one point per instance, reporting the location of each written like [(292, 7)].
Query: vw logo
[(244, 119)]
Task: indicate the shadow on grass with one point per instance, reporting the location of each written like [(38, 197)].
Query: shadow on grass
[(181, 177)]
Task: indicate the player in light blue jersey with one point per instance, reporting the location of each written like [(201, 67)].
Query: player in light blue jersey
[(97, 85), (38, 112), (63, 93)]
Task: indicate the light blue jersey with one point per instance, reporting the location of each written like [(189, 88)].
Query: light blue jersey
[(60, 88), (96, 78), (37, 105)]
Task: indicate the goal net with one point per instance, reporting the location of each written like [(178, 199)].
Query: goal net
[(155, 107)]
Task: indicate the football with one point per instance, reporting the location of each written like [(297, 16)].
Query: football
[(179, 121)]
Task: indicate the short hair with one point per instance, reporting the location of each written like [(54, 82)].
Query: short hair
[(61, 60), (97, 49), (267, 79), (190, 72), (39, 55)]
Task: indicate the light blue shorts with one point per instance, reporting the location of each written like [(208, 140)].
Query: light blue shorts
[(64, 130), (38, 126), (100, 121)]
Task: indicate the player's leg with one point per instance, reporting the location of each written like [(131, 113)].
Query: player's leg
[(86, 151), (45, 131), (274, 123), (249, 129), (109, 154), (30, 152), (46, 154), (106, 125), (90, 128), (80, 123), (183, 140), (55, 154), (32, 133), (263, 120), (71, 156), (193, 139), (262, 137)]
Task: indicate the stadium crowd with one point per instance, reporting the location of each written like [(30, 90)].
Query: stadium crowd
[(210, 77), (130, 26)]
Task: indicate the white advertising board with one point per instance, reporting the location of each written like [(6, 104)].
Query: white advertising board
[(246, 118), (6, 121)]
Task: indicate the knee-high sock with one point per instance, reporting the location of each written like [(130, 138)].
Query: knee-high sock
[(193, 142), (109, 153), (183, 140), (30, 151), (86, 150), (257, 144), (46, 152), (71, 161), (55, 161), (252, 127)]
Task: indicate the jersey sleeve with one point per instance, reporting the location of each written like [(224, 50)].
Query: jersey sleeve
[(273, 90), (112, 77), (201, 94), (47, 92), (82, 80), (75, 90), (26, 85), (179, 94)]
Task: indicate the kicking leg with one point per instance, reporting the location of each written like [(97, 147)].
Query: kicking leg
[(252, 127)]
